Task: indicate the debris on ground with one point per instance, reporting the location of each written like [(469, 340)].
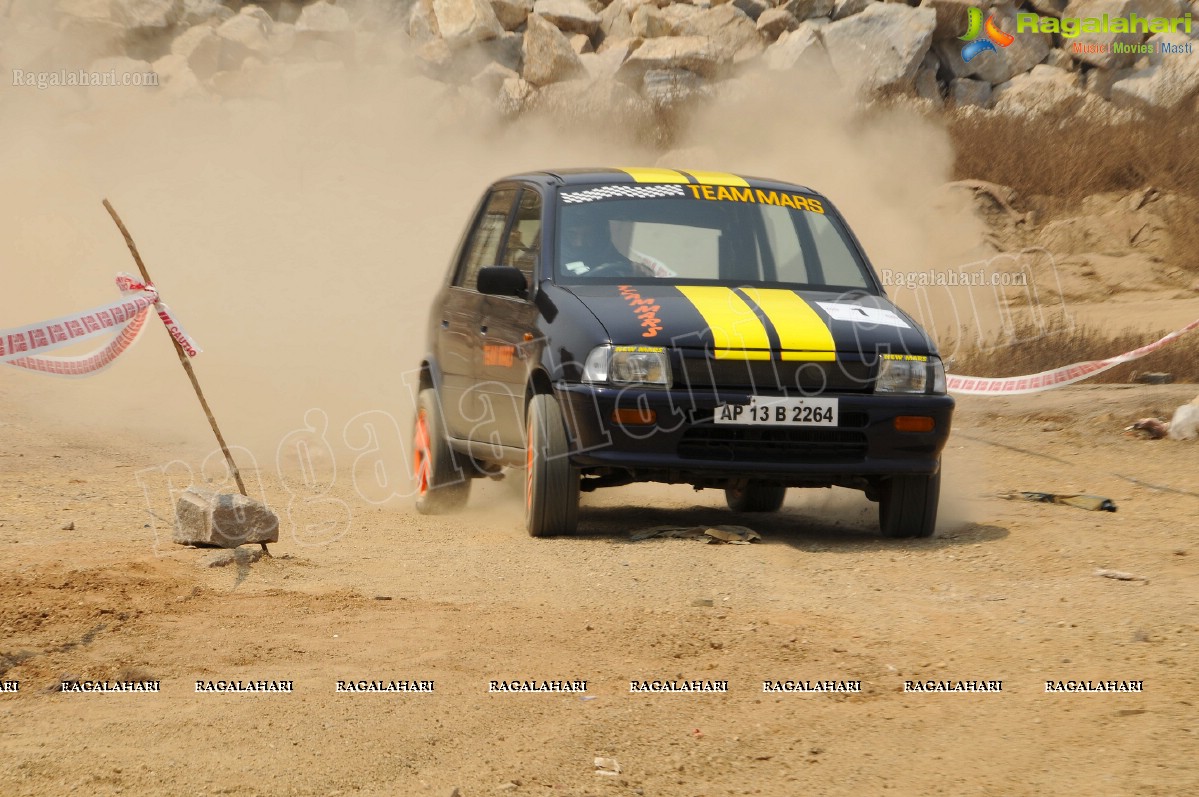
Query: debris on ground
[(1119, 575), (69, 526), (734, 535), (1150, 428), (1153, 378), (1095, 503), (607, 766), (238, 556)]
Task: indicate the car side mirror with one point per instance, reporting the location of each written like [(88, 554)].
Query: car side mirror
[(502, 281)]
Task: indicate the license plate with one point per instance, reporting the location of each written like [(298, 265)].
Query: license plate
[(765, 411)]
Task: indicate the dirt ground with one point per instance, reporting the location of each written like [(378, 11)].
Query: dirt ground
[(1006, 590)]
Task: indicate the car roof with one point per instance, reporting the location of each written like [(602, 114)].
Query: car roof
[(650, 174)]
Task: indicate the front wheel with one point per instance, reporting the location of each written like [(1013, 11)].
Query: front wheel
[(441, 486), (907, 505), (756, 496), (551, 482)]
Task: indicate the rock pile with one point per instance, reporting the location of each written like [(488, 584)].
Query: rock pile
[(650, 55)]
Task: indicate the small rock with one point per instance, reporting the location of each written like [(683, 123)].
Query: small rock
[(1052, 426), (69, 526), (703, 602), (964, 91)]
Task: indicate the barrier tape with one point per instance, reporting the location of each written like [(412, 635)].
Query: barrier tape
[(1046, 380), (25, 347)]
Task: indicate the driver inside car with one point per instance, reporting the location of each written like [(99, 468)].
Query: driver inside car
[(587, 249)]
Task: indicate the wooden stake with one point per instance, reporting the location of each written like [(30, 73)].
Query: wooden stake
[(184, 360)]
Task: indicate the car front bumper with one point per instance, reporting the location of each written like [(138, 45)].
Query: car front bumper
[(684, 444)]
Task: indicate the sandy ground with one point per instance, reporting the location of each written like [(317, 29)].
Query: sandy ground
[(1006, 590)]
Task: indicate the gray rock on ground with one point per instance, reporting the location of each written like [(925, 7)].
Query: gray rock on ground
[(203, 517), (882, 48), (964, 91), (1169, 81)]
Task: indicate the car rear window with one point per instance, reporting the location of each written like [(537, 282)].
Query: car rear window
[(693, 233)]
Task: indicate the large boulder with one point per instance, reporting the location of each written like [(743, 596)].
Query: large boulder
[(548, 56), (422, 22), (728, 29), (880, 49), (568, 16), (147, 15), (1170, 80), (1003, 63), (462, 22), (799, 49), (1044, 90), (693, 53), (649, 22), (667, 88), (1096, 48)]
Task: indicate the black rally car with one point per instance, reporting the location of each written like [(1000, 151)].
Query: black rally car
[(606, 326)]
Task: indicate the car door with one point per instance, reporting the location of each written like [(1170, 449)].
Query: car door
[(460, 336), (508, 328)]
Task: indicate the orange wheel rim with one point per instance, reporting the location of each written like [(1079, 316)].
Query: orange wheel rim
[(422, 467)]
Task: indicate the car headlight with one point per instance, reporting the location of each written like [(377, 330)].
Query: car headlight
[(628, 365), (898, 374)]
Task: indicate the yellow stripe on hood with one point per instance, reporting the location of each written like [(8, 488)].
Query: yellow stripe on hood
[(737, 332), (802, 333)]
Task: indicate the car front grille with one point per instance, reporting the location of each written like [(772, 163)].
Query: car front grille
[(774, 444)]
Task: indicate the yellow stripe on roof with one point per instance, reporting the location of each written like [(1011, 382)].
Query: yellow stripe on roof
[(653, 175), (718, 178), (737, 332), (802, 333)]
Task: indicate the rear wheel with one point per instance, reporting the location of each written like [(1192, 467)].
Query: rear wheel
[(441, 486), (551, 482), (907, 505), (756, 496)]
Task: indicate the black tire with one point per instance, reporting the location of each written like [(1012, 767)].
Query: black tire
[(551, 482), (756, 496), (441, 485), (907, 505)]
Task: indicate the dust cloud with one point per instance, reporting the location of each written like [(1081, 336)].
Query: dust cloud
[(299, 229)]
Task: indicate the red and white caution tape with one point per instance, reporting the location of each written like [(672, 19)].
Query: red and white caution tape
[(124, 319), (1033, 383)]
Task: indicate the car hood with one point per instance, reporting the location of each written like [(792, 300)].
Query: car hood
[(753, 323)]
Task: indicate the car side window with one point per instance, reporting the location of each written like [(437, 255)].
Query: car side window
[(524, 241), (487, 238)]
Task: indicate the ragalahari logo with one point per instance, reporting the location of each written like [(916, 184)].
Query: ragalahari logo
[(974, 28)]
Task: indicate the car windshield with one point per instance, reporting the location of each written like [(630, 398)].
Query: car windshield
[(703, 233)]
